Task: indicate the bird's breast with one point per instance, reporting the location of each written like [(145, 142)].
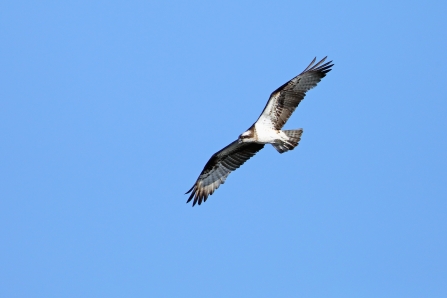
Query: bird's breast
[(266, 134)]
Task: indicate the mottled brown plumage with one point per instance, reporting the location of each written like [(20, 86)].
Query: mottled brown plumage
[(267, 129), (284, 100), (220, 165)]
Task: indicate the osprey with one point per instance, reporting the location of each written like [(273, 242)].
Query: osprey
[(266, 130)]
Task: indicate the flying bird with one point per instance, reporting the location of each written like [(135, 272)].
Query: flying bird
[(266, 130)]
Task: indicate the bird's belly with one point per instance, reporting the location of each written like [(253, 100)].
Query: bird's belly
[(266, 135)]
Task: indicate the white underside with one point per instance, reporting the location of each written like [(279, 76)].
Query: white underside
[(267, 135)]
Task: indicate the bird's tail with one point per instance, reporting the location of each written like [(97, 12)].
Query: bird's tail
[(294, 137)]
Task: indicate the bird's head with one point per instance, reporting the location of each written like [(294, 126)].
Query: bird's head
[(246, 137)]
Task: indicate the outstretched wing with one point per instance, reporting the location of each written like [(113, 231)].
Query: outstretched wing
[(284, 100), (220, 165)]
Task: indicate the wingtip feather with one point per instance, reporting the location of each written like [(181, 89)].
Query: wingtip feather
[(318, 64), (190, 189), (191, 196), (310, 64)]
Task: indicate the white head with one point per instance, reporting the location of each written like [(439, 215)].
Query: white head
[(247, 137)]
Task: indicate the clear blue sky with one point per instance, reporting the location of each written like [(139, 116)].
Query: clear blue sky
[(110, 109)]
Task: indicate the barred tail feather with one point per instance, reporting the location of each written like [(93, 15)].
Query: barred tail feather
[(294, 138), (294, 134)]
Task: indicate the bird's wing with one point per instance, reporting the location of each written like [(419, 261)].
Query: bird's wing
[(220, 165), (284, 100)]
